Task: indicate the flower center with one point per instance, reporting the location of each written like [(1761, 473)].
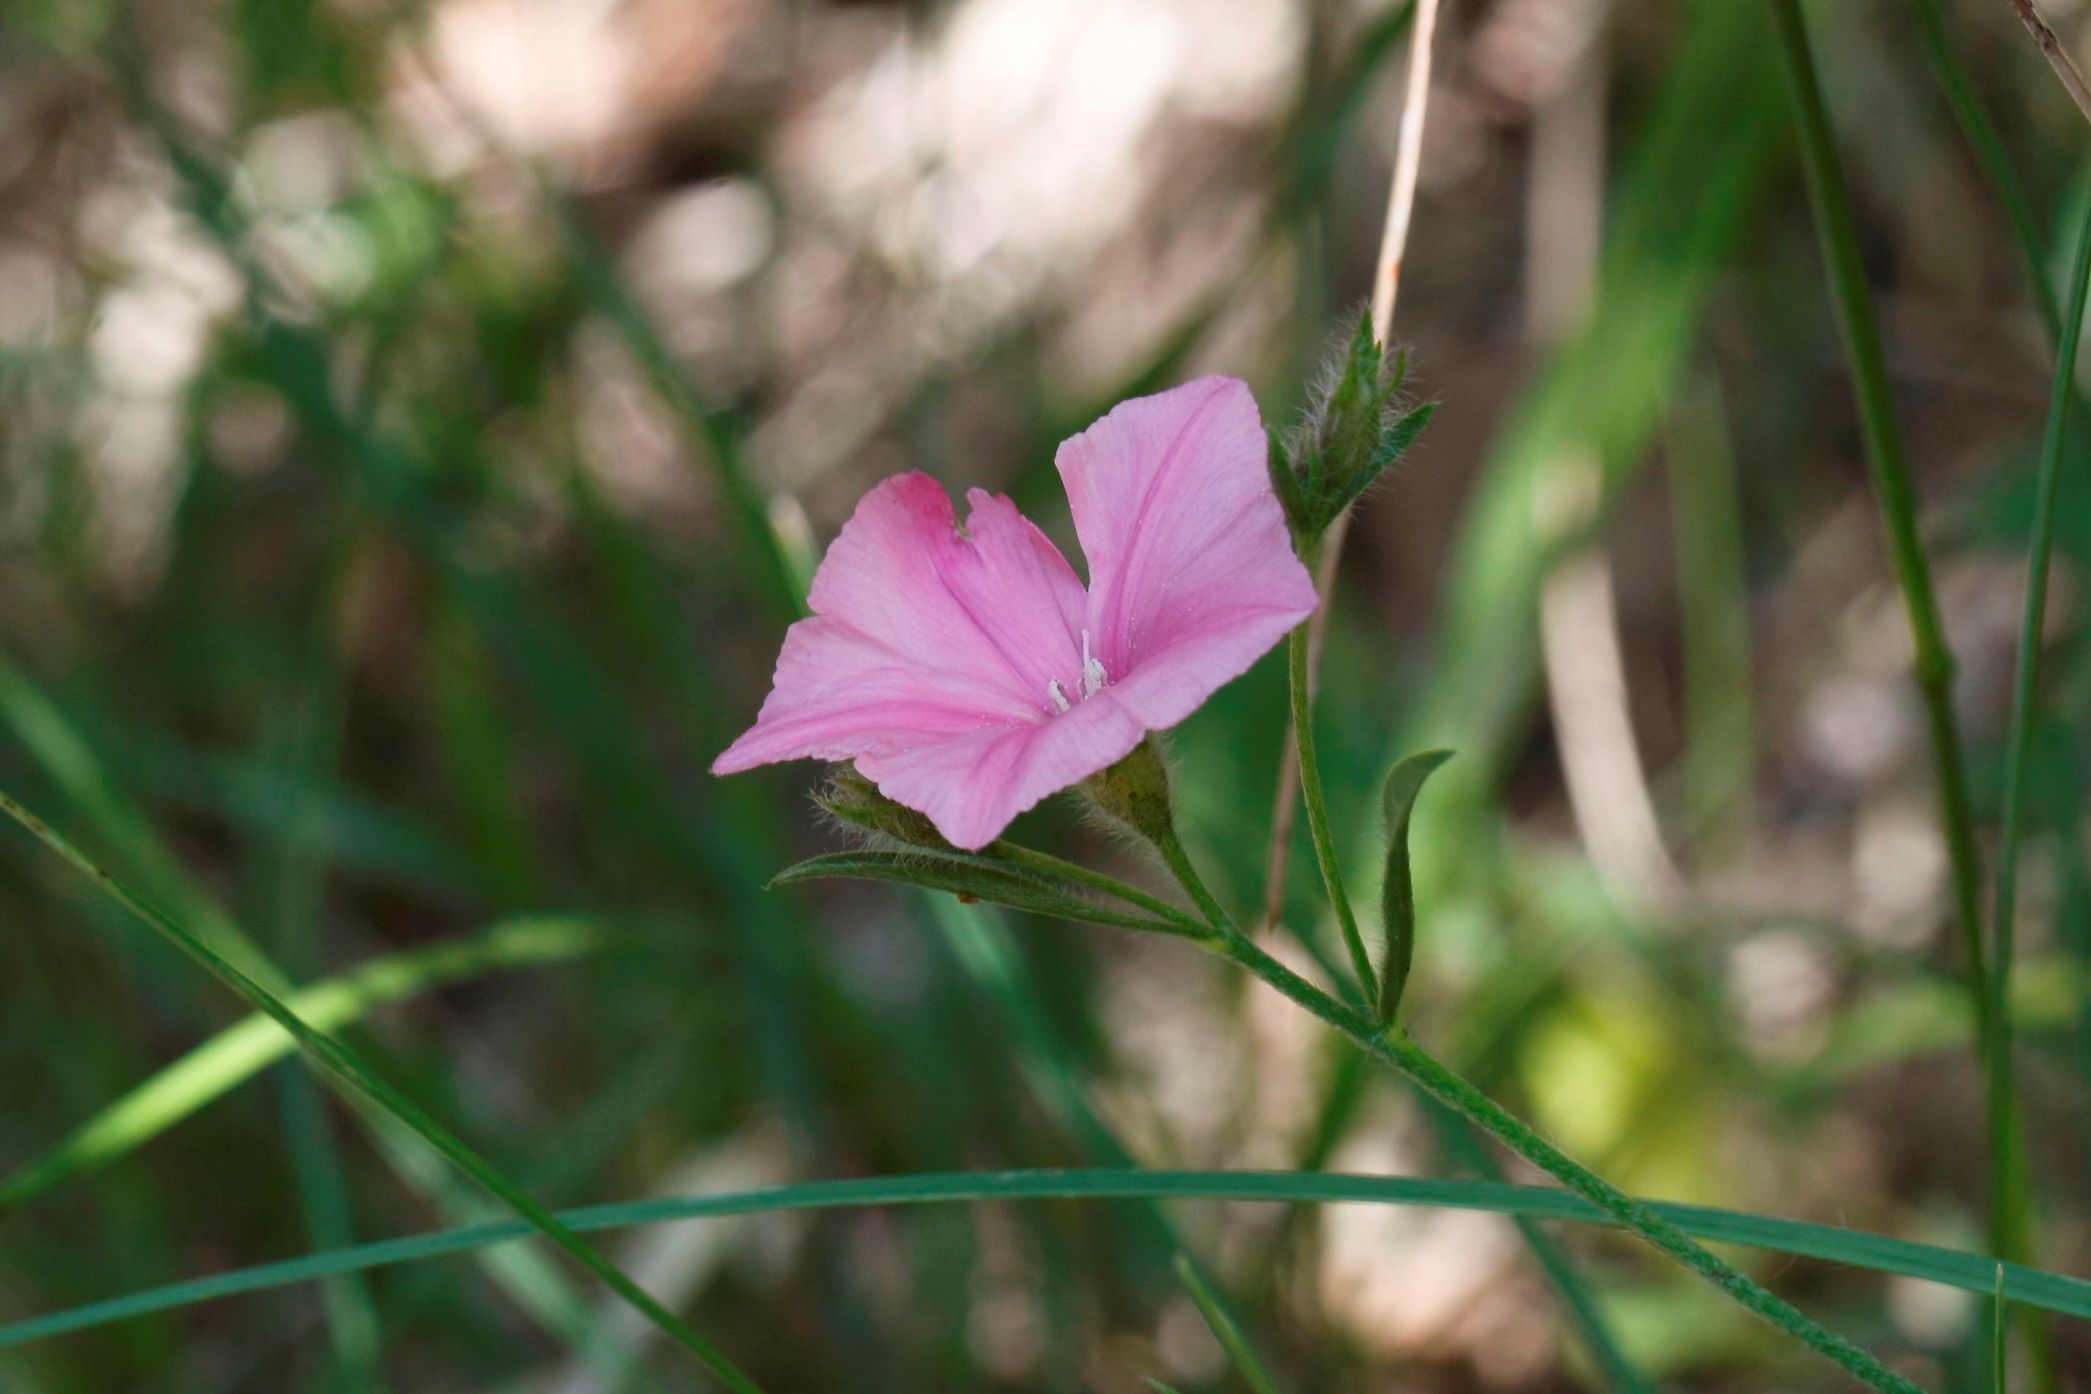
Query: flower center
[(1094, 679)]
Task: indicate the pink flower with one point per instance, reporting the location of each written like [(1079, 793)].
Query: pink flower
[(966, 670)]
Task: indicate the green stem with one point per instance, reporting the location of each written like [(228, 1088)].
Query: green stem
[(1981, 133), (1891, 476), (1392, 1047), (1318, 809), (2009, 1202), (1220, 923), (347, 1070), (1934, 661)]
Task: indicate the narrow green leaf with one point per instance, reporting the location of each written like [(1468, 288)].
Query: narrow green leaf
[(2054, 1292), (974, 878), (1393, 444), (1398, 891), (250, 1046), (1224, 1328), (1286, 485), (347, 1070)]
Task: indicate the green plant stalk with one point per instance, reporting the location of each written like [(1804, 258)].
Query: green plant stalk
[(2010, 1204), (1981, 134), (1316, 805), (1890, 471), (1050, 865), (348, 1071), (1391, 1046), (1225, 1329), (1934, 661)]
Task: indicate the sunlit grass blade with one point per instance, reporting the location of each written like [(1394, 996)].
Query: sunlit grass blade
[(90, 784), (347, 1069), (2052, 1292), (245, 1049)]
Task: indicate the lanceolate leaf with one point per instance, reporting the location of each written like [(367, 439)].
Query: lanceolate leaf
[(1393, 444), (969, 878), (1398, 892)]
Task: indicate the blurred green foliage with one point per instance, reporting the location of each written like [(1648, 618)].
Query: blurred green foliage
[(385, 551)]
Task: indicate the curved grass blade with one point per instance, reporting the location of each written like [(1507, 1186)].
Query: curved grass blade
[(969, 877), (248, 1047), (347, 1069), (2053, 1292)]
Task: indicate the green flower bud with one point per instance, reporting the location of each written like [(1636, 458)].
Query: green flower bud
[(857, 801), (1135, 791), (1354, 430)]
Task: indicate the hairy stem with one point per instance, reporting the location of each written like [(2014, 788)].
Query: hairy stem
[(1318, 809), (1391, 1046), (1035, 860)]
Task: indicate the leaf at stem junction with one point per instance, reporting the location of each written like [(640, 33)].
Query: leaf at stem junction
[(1398, 891)]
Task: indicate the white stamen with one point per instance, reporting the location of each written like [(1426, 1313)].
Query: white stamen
[(1093, 674), (1059, 695)]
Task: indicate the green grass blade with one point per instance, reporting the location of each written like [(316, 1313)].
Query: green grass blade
[(75, 769), (1687, 187), (1895, 493), (2053, 1292), (1462, 1144), (1225, 1330), (347, 1069), (2011, 1199), (250, 1046), (1896, 496), (1981, 134)]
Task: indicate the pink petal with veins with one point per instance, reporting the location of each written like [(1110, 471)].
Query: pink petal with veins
[(951, 664)]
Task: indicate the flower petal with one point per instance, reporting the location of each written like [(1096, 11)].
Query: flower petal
[(1192, 576), (971, 786), (921, 632)]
